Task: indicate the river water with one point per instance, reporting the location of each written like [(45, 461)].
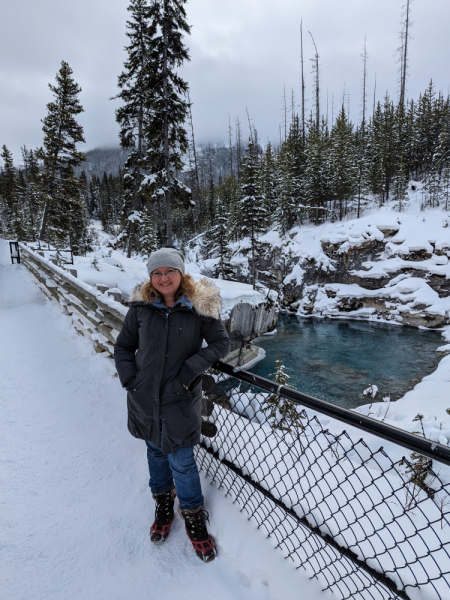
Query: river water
[(337, 360)]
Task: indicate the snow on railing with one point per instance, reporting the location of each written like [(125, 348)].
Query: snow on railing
[(367, 518), (96, 312)]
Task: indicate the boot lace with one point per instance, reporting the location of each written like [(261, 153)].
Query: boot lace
[(196, 525), (164, 508)]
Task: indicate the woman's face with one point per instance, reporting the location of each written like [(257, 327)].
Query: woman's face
[(166, 281)]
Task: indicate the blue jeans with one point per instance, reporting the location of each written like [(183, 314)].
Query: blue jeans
[(178, 467)]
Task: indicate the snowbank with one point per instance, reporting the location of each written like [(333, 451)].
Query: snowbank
[(429, 398)]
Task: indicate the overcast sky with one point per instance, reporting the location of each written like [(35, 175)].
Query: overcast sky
[(243, 53)]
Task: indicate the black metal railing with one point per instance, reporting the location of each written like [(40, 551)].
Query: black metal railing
[(61, 257), (367, 518)]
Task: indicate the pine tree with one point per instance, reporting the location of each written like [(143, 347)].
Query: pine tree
[(223, 270), (147, 240), (84, 191), (383, 141), (436, 183), (254, 214), (268, 180), (290, 188), (428, 124), (167, 136), (232, 201), (135, 84), (374, 151), (343, 162), (153, 113), (317, 171), (33, 197), (62, 133), (12, 215)]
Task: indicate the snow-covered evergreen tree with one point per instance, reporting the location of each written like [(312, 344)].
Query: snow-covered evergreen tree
[(268, 180), (317, 171), (343, 163), (290, 184), (12, 217), (223, 270), (154, 110), (253, 205), (33, 198), (165, 130), (62, 133), (135, 85), (147, 241)]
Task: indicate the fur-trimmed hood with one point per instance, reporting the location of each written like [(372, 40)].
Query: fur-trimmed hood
[(205, 300)]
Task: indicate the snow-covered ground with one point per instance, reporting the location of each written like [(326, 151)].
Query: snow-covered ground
[(416, 240), (75, 505), (111, 267)]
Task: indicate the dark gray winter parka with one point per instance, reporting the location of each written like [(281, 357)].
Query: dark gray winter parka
[(157, 352)]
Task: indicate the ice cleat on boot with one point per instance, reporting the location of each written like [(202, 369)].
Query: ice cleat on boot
[(163, 515), (203, 543)]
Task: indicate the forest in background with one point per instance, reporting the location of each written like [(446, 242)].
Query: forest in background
[(161, 181)]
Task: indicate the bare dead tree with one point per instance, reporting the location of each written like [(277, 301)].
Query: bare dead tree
[(303, 80), (344, 96), (238, 146), (361, 145), (315, 71), (403, 49), (374, 95), (230, 144), (251, 128), (193, 164), (292, 105), (332, 109), (364, 56)]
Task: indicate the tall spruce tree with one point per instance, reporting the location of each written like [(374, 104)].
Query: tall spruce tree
[(167, 136), (147, 241), (268, 179), (343, 162), (135, 85), (317, 171), (13, 225), (154, 111), (33, 192), (223, 270), (254, 213), (62, 133)]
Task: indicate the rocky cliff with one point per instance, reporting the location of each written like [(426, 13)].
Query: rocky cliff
[(384, 266)]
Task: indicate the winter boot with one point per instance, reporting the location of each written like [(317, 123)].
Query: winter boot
[(203, 543), (163, 515)]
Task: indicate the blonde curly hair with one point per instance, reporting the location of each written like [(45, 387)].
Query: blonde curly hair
[(187, 287)]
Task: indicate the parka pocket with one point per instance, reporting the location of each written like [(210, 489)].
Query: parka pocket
[(177, 388), (181, 419)]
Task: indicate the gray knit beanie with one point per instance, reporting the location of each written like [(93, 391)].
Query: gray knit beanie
[(166, 257)]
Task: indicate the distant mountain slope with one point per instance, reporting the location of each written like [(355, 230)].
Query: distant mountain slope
[(101, 160)]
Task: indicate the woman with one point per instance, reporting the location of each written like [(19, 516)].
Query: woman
[(160, 361)]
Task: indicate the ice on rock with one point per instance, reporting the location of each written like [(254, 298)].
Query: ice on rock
[(371, 391)]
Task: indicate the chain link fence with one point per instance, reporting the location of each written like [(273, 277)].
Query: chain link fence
[(369, 516)]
